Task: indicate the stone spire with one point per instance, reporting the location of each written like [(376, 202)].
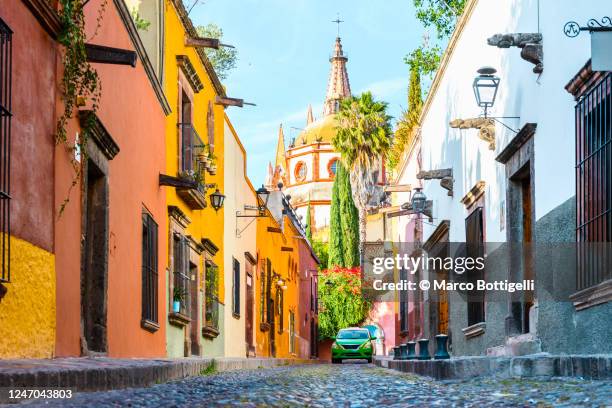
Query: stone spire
[(269, 183), (309, 116), (280, 149), (338, 86)]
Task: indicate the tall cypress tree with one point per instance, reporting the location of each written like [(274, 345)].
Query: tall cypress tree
[(349, 218), (336, 247), (308, 224)]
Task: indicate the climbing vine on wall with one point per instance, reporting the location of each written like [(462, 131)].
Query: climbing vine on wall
[(80, 82)]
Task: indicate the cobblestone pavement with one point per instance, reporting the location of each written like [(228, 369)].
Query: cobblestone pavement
[(348, 385)]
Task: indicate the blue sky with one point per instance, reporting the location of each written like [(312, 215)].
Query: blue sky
[(284, 46)]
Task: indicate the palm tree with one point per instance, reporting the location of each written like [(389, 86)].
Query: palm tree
[(363, 138)]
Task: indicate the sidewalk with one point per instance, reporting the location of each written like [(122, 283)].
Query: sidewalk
[(592, 367), (100, 373)]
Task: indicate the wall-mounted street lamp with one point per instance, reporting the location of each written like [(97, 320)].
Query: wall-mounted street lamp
[(263, 194), (485, 88), (216, 200), (418, 204), (418, 201)]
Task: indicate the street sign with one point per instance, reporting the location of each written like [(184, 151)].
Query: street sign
[(601, 50)]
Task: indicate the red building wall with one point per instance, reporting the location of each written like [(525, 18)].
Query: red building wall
[(133, 116), (307, 299)]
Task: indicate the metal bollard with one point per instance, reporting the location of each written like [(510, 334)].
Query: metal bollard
[(403, 351), (412, 355), (441, 347), (424, 349)]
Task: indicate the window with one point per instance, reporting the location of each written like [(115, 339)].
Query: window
[(181, 290), (211, 312), (300, 171), (280, 300), (149, 272), (5, 146), (594, 180), (332, 167), (474, 240), (236, 288), (262, 292), (291, 332), (268, 294), (403, 298)]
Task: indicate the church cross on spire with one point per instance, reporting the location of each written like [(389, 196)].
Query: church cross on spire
[(338, 21)]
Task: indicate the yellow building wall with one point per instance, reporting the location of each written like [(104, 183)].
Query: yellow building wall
[(27, 311), (206, 223), (270, 245)]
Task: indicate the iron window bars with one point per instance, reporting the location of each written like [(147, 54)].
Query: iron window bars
[(149, 269), (594, 183), (211, 311), (5, 148), (181, 273)]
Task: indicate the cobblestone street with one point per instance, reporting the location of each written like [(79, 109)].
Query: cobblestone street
[(348, 385)]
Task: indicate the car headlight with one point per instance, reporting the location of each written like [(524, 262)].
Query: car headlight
[(366, 345), (336, 345)]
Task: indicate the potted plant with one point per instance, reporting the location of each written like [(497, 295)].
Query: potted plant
[(178, 298), (212, 168), (204, 157)]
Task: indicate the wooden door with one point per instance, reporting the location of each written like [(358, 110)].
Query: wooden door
[(249, 308)]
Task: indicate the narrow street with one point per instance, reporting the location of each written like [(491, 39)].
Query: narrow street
[(347, 385)]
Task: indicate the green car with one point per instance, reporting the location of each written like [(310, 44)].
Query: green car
[(353, 343)]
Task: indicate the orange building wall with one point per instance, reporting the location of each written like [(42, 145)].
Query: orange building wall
[(133, 116)]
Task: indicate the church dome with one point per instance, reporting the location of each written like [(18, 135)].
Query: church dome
[(322, 130)]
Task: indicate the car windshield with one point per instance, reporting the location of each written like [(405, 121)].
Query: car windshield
[(353, 334)]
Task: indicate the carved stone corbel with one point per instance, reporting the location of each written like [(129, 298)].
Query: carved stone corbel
[(444, 175), (529, 43), (486, 127)]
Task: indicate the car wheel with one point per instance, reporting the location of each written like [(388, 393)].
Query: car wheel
[(370, 360), (336, 361)]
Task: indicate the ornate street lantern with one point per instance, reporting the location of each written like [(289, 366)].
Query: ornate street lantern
[(485, 88), (419, 201), (263, 194), (216, 200)]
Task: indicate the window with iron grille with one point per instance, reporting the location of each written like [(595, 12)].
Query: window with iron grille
[(262, 292), (291, 332), (236, 288), (269, 310), (149, 269), (211, 315), (594, 182), (280, 300), (5, 146), (403, 298), (181, 273)]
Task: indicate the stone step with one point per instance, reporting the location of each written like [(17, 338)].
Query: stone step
[(593, 367), (100, 373)]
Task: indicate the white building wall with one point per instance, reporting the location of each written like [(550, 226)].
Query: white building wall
[(239, 237), (538, 99)]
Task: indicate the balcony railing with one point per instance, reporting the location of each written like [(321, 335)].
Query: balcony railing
[(191, 147)]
